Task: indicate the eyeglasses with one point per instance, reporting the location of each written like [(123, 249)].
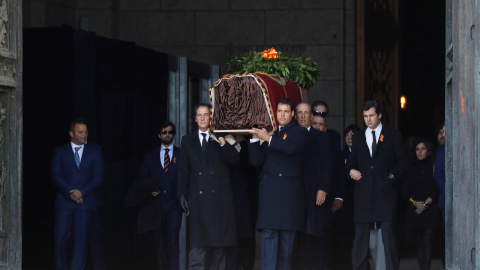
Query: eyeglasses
[(171, 132)]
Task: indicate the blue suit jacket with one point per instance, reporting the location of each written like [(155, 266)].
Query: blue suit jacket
[(88, 178), (281, 204)]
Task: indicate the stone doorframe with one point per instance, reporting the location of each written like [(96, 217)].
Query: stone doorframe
[(11, 126)]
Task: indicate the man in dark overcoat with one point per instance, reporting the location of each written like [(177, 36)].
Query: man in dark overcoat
[(281, 195), (205, 193), (376, 163), (317, 177)]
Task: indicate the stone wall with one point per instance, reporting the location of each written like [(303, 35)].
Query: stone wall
[(212, 31)]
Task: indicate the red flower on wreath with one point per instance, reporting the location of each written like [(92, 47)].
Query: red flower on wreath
[(270, 53)]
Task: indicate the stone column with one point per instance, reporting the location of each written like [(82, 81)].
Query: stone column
[(462, 101), (11, 134)]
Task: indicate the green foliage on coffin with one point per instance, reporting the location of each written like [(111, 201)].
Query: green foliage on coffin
[(299, 70)]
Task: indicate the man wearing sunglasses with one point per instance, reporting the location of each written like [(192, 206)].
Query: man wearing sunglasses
[(161, 166)]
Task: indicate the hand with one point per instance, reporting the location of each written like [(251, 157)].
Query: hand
[(420, 206), (337, 205), (155, 193), (184, 204), (221, 140), (80, 201), (418, 211), (75, 194), (321, 197), (262, 134), (356, 175)]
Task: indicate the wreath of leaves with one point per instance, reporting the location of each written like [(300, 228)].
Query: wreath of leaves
[(302, 71)]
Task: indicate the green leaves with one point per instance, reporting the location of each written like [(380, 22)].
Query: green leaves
[(302, 71)]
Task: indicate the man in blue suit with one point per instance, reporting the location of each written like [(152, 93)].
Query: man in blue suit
[(281, 197), (161, 165), (77, 173)]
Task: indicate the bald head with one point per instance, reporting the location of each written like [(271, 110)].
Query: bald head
[(303, 114)]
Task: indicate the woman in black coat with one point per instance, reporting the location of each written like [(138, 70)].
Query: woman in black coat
[(421, 193)]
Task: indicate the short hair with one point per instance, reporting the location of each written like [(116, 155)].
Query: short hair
[(286, 101), (309, 107), (439, 127), (427, 143), (372, 104), (198, 106), (78, 121), (321, 102), (321, 114), (165, 125), (353, 128)]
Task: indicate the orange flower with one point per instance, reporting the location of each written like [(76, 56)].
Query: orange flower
[(381, 138), (174, 159), (285, 136), (270, 53)]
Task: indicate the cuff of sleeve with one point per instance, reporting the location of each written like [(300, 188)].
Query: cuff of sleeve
[(339, 199), (254, 140)]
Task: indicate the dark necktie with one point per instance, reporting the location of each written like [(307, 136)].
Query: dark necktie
[(77, 157), (166, 160), (204, 142), (374, 142)]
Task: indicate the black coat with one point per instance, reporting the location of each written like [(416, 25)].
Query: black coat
[(376, 194), (281, 201), (419, 184), (337, 189), (317, 175), (245, 186), (204, 179), (139, 195)]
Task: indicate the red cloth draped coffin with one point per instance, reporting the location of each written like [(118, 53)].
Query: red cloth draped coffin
[(240, 101)]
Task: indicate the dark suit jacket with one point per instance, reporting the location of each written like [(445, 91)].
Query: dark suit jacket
[(88, 178), (376, 194), (166, 181), (317, 175), (204, 179), (281, 203)]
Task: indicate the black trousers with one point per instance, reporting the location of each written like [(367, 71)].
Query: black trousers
[(308, 252), (361, 241), (424, 243)]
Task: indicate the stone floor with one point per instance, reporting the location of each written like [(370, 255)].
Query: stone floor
[(405, 264)]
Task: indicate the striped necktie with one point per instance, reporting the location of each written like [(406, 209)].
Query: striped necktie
[(77, 157), (166, 160)]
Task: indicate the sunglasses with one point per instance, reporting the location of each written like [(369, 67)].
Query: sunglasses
[(164, 132), (317, 113)]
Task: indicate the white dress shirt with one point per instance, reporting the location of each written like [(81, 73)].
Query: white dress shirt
[(369, 136), (200, 136)]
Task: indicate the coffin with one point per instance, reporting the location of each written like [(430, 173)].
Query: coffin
[(242, 101)]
